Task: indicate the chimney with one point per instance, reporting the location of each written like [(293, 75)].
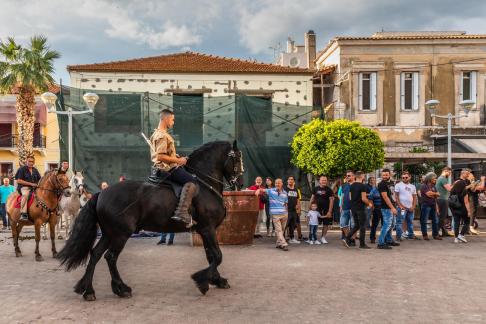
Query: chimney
[(310, 48), (290, 45)]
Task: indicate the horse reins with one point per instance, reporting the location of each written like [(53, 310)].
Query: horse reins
[(58, 192)]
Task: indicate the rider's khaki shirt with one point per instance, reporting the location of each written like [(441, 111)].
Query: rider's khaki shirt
[(162, 143)]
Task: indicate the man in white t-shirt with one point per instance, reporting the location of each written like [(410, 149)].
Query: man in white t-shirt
[(406, 198)]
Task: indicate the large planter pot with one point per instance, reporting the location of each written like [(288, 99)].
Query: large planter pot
[(241, 217)]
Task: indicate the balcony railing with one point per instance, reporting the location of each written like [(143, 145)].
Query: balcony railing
[(12, 141)]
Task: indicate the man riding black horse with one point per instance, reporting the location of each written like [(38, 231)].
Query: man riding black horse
[(168, 165)]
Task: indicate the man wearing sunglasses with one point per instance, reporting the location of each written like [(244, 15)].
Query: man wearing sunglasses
[(406, 198)]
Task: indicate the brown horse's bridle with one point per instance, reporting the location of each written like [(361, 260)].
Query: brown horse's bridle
[(58, 190)]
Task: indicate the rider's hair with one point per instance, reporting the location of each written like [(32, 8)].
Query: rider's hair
[(166, 113)]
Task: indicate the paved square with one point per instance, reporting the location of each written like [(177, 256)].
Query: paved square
[(423, 282)]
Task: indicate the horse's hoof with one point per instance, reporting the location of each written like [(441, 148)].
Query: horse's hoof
[(89, 297), (125, 294), (203, 287), (39, 258), (54, 255), (223, 284)]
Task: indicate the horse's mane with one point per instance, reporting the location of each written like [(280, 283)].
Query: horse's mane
[(207, 148)]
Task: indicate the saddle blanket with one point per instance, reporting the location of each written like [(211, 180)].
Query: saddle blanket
[(19, 199)]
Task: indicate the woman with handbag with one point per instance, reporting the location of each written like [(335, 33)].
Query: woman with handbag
[(459, 205)]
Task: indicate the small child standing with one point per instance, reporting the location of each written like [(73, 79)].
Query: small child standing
[(313, 220)]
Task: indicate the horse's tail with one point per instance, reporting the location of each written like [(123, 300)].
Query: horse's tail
[(77, 248)]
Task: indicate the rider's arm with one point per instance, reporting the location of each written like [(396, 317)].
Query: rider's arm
[(26, 183)]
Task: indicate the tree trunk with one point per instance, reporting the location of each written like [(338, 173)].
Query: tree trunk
[(25, 121)]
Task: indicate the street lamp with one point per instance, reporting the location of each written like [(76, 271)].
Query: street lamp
[(50, 99), (432, 105)]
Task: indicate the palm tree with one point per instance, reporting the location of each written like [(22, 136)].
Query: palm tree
[(29, 71)]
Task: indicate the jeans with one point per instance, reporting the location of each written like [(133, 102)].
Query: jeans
[(425, 213), (458, 215), (359, 217), (313, 233), (443, 213), (163, 236), (377, 217), (346, 220), (388, 220), (3, 212), (408, 218)]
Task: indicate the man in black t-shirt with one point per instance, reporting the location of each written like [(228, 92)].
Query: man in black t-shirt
[(388, 211), (459, 189), (293, 208), (359, 201), (323, 196), (27, 178)]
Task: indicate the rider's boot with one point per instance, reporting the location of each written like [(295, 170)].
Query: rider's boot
[(24, 216), (189, 191)]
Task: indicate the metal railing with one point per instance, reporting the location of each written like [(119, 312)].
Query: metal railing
[(12, 141)]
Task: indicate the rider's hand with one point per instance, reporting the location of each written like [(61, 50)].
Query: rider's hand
[(182, 161), (394, 211)]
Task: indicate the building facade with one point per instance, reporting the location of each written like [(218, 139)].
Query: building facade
[(46, 137), (214, 98), (384, 80), (302, 56)]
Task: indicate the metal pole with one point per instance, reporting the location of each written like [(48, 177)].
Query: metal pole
[(70, 138), (449, 140)]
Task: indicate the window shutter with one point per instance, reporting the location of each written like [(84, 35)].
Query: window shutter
[(461, 90), (416, 96), (373, 91), (473, 85), (402, 90), (360, 90)]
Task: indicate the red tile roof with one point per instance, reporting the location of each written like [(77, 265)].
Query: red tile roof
[(188, 62), (54, 88)]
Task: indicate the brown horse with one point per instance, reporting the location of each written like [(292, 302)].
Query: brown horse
[(43, 209)]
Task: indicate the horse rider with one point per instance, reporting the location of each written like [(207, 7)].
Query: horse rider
[(168, 165), (65, 168), (27, 178)]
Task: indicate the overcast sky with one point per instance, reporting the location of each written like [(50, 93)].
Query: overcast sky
[(94, 31)]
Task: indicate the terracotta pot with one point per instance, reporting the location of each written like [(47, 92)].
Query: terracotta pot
[(241, 216)]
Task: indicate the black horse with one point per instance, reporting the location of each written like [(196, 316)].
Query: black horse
[(129, 206)]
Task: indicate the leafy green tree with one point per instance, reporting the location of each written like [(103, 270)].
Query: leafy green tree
[(28, 70), (331, 148)]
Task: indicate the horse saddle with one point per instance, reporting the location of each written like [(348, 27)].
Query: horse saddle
[(158, 178), (30, 200)]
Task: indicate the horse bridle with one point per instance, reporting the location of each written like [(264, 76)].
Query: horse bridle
[(236, 173), (59, 189)]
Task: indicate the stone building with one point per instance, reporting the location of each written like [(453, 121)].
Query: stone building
[(384, 80)]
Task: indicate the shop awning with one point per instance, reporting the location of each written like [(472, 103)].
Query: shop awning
[(8, 113), (474, 145)]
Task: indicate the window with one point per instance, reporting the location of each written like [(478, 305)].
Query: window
[(468, 85), (409, 91), (6, 135), (367, 91)]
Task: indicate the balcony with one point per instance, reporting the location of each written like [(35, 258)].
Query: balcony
[(9, 142)]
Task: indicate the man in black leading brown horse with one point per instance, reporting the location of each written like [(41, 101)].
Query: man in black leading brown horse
[(168, 165), (27, 178)]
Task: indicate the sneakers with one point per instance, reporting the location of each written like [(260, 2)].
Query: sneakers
[(404, 235), (160, 242), (456, 240), (316, 242), (323, 240), (462, 238), (294, 241), (393, 244), (346, 243), (384, 247), (311, 242)]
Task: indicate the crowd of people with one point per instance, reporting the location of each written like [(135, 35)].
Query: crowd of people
[(358, 204)]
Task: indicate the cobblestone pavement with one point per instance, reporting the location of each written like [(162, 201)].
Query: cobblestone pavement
[(423, 282)]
